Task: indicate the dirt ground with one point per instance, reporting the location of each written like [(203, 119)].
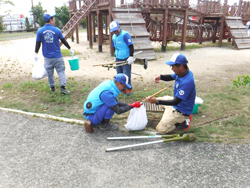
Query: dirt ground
[(212, 66)]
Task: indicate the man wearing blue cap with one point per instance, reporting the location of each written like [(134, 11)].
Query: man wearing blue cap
[(124, 49), (49, 36), (178, 110), (102, 103)]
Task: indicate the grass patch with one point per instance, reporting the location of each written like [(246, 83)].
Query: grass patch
[(192, 46), (65, 52), (13, 35), (223, 117)]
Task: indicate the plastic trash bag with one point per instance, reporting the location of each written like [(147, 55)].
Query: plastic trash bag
[(38, 71), (137, 119)]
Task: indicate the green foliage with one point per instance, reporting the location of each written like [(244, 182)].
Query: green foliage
[(4, 2), (1, 24), (62, 14), (28, 25), (242, 81), (39, 12), (84, 23), (57, 22)]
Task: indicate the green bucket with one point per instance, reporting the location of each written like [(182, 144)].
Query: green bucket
[(74, 63), (195, 109)]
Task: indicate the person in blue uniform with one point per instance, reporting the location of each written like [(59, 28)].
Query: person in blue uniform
[(178, 110), (49, 36), (102, 103), (124, 49)]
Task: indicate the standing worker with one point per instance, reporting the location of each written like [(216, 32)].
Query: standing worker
[(178, 110), (102, 103), (247, 26), (49, 36), (124, 49)]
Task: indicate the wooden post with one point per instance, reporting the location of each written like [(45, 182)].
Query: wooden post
[(87, 27), (90, 31), (184, 30), (222, 23), (239, 8), (94, 37), (110, 34), (72, 36), (100, 30), (165, 26)]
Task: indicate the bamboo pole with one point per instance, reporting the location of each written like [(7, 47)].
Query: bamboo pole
[(156, 94)]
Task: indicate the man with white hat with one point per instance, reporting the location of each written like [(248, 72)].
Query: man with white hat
[(178, 110), (124, 49), (49, 36), (102, 103)]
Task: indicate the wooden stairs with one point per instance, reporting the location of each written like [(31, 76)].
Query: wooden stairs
[(131, 20), (238, 32), (77, 18)]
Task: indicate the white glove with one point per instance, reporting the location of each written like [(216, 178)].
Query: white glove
[(71, 51), (36, 57), (130, 60)]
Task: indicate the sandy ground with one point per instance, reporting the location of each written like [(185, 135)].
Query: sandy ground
[(212, 66)]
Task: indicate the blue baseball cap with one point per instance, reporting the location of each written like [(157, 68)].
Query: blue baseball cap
[(123, 78), (114, 25), (177, 58), (46, 17)]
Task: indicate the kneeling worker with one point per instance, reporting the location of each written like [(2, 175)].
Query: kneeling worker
[(102, 103), (178, 110)]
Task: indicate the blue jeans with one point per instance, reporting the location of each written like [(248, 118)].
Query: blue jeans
[(126, 69), (55, 63), (104, 112)]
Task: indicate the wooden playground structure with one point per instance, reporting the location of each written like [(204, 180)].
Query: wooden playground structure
[(161, 20)]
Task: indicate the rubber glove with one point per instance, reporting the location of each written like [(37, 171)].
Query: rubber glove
[(36, 57), (137, 104), (88, 127), (130, 60), (71, 51)]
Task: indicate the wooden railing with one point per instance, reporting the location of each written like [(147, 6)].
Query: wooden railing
[(202, 6)]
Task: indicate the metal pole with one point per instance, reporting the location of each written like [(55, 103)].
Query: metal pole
[(136, 137), (135, 145), (33, 15)]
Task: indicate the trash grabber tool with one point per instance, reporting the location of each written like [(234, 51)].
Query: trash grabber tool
[(156, 93), (114, 62), (143, 62), (184, 137), (138, 137)]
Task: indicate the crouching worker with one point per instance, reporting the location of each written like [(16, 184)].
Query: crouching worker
[(179, 109), (102, 103)]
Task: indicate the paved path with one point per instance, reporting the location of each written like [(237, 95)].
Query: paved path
[(38, 152)]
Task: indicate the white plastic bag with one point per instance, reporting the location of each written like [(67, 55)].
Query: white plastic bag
[(38, 71), (137, 119)]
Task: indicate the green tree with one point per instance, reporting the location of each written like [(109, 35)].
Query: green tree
[(62, 14), (84, 23), (28, 25), (39, 12), (57, 22), (1, 24), (4, 2)]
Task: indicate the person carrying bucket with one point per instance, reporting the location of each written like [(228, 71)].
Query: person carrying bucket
[(179, 109), (102, 103), (124, 49), (49, 36)]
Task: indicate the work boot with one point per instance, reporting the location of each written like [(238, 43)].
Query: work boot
[(64, 90), (107, 126), (185, 125), (52, 89)]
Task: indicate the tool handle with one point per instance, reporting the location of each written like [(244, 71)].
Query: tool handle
[(156, 93), (108, 63)]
